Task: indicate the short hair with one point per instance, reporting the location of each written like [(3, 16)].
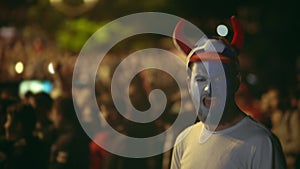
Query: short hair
[(43, 101), (66, 108)]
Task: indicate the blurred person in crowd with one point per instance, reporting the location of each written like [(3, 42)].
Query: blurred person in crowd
[(20, 148), (269, 106), (100, 158), (28, 98), (286, 126), (297, 161), (42, 102), (251, 105), (168, 119), (7, 94), (138, 98), (71, 148), (247, 103), (4, 104), (234, 141)]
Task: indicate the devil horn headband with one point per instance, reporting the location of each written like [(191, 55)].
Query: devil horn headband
[(238, 37), (186, 47)]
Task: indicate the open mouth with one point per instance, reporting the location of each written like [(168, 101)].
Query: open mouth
[(209, 101)]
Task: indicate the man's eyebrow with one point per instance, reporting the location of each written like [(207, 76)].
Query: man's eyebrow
[(210, 76), (220, 75)]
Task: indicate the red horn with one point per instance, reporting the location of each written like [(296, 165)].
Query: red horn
[(238, 37), (180, 40)]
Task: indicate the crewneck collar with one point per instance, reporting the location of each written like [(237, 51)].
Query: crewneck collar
[(205, 133)]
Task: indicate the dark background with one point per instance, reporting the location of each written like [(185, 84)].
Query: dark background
[(271, 28)]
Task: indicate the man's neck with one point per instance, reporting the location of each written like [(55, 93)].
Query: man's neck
[(228, 124), (230, 117)]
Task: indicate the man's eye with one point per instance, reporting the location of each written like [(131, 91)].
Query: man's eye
[(200, 79)]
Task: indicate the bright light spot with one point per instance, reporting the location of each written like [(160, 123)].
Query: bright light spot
[(222, 30), (51, 68), (7, 32), (34, 86), (61, 1), (88, 1), (55, 1), (206, 88), (252, 79), (19, 67)]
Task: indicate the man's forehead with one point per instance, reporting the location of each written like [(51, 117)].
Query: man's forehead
[(208, 68)]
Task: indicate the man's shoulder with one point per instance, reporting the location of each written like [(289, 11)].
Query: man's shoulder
[(189, 132), (256, 128), (253, 132)]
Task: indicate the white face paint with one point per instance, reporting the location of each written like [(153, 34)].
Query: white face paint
[(207, 86)]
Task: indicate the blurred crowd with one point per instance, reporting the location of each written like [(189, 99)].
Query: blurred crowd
[(42, 132), (39, 131), (279, 110)]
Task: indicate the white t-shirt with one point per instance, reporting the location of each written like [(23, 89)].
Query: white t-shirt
[(246, 145)]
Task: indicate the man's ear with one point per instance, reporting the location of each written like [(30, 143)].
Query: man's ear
[(238, 81)]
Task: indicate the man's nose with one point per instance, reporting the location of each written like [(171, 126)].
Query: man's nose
[(207, 88)]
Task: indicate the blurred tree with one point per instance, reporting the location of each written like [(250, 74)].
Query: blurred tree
[(74, 33)]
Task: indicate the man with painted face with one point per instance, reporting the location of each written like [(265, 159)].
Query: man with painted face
[(225, 137)]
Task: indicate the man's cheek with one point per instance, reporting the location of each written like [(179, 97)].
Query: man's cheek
[(195, 93)]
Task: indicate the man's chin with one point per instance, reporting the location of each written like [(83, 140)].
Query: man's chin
[(202, 118), (202, 114)]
